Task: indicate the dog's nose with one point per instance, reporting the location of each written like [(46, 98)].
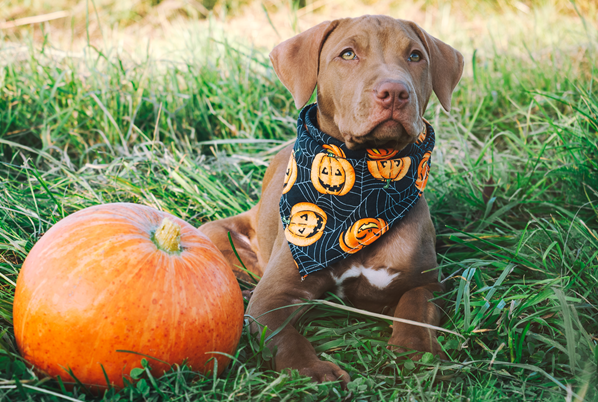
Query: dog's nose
[(391, 93)]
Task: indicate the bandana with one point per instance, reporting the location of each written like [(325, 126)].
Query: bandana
[(336, 201)]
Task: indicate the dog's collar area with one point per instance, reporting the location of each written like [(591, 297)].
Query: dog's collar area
[(310, 123), (337, 201)]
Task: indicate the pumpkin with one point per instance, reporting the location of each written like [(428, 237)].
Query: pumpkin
[(124, 277), (390, 170), (331, 173), (381, 153), (423, 172), (291, 174), (306, 224), (362, 233)]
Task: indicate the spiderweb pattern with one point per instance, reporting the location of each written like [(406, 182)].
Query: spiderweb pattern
[(369, 197)]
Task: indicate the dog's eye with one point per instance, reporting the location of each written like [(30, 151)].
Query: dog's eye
[(348, 55), (415, 57)]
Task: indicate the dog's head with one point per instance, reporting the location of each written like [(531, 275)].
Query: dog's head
[(374, 74)]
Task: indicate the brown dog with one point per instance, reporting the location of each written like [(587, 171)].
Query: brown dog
[(374, 76)]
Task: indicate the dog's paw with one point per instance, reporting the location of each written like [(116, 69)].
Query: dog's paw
[(326, 371), (247, 294), (420, 345)]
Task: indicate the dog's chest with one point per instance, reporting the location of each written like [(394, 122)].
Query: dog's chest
[(360, 276), (367, 287), (376, 277)]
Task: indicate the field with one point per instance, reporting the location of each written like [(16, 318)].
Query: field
[(92, 111)]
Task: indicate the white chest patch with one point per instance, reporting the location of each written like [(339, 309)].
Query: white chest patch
[(379, 278)]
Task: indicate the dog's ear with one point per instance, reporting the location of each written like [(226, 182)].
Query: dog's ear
[(296, 61), (446, 66)]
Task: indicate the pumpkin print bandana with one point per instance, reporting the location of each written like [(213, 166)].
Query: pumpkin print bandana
[(336, 201)]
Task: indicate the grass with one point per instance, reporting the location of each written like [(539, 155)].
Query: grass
[(513, 194)]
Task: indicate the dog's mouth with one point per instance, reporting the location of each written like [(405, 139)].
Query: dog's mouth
[(389, 123), (388, 133)]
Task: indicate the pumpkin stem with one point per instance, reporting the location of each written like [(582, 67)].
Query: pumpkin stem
[(168, 236)]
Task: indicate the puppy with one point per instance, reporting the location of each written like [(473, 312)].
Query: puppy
[(343, 209)]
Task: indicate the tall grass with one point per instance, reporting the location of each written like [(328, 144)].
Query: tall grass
[(513, 194)]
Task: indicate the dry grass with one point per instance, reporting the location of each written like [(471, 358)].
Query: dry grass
[(133, 26)]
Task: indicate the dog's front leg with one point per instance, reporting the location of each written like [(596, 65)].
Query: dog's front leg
[(415, 305), (281, 286)]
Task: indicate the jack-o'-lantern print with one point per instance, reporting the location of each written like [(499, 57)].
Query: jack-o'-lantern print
[(381, 153), (422, 136), (331, 173), (361, 233), (306, 224), (389, 170), (291, 174), (423, 172)]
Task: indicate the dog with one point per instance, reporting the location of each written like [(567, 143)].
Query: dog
[(374, 77)]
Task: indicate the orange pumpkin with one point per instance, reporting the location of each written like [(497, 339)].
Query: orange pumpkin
[(362, 233), (423, 172), (381, 153), (331, 173), (125, 277), (290, 175), (306, 224), (390, 170)]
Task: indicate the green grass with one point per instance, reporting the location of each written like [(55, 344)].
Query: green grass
[(513, 194)]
